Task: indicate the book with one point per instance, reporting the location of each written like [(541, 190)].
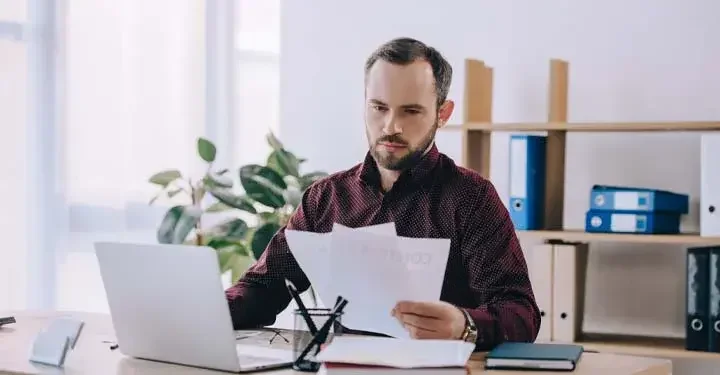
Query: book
[(534, 356)]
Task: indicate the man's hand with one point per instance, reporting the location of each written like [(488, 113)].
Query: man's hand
[(430, 320)]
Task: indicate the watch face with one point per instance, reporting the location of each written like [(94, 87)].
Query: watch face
[(471, 333)]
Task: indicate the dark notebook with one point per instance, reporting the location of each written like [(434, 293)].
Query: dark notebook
[(526, 356)]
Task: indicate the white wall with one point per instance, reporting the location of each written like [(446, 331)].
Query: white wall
[(629, 61)]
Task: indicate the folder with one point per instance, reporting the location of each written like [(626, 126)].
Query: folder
[(697, 301), (621, 198), (631, 222), (570, 270), (527, 181), (714, 299), (710, 185), (541, 279)]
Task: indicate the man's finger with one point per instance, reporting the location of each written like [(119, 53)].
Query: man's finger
[(419, 308), (429, 324), (419, 332)]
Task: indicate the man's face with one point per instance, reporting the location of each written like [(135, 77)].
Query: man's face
[(401, 114)]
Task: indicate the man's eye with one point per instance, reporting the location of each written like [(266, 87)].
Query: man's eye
[(378, 108), (412, 111)]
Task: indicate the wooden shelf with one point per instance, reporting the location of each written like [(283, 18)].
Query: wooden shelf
[(581, 236), (476, 128), (642, 346), (685, 126)]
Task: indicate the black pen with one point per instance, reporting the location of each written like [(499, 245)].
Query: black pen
[(301, 306)]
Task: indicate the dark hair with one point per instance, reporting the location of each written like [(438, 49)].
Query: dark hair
[(407, 50)]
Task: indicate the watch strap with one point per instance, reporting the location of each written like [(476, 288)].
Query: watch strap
[(470, 332)]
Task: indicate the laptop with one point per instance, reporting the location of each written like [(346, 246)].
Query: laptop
[(167, 304)]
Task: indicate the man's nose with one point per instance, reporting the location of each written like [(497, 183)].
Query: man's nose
[(392, 125)]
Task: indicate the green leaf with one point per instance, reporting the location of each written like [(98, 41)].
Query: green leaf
[(263, 185), (284, 162), (269, 217), (220, 243), (229, 198), (224, 259), (219, 207), (310, 178), (231, 230), (206, 150), (292, 182), (261, 238), (215, 179), (236, 258), (238, 266), (169, 194), (274, 142), (177, 224), (164, 178)]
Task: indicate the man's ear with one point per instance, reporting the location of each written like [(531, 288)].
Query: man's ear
[(445, 112)]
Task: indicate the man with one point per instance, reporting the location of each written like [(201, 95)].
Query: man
[(486, 296)]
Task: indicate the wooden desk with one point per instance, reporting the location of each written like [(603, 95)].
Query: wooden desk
[(93, 356)]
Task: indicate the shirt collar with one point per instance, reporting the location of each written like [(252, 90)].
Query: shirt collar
[(369, 173)]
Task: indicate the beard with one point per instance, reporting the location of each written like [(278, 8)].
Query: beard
[(398, 163)]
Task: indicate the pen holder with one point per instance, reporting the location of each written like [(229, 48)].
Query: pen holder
[(302, 336)]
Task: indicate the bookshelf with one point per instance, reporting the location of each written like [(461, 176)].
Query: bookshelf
[(476, 130), (594, 127), (689, 239)]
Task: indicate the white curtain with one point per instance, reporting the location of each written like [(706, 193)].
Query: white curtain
[(138, 81), (14, 106), (134, 104)]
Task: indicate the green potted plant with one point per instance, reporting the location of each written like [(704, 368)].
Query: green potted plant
[(252, 212)]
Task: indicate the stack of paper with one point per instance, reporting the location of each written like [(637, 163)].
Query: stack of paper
[(394, 353), (373, 269)]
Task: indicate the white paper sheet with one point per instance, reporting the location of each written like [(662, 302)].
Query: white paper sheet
[(373, 269), (312, 252), (397, 353)]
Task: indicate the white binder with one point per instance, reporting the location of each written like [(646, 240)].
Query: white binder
[(570, 270), (710, 185), (541, 278)]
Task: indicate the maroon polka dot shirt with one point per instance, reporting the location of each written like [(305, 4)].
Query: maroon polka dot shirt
[(486, 272)]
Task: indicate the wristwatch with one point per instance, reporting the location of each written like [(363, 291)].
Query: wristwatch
[(470, 333)]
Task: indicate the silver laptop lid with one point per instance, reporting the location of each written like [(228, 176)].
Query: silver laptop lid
[(168, 304)]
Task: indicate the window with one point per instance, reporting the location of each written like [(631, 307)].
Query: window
[(142, 81), (13, 108), (257, 51), (133, 105)]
